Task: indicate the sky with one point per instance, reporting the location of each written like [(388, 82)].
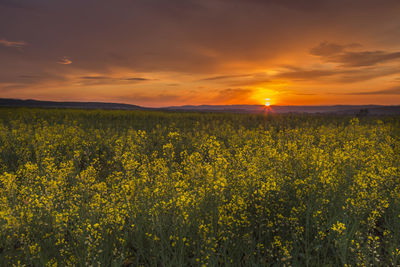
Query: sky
[(191, 52)]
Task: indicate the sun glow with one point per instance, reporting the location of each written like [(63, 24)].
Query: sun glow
[(267, 102)]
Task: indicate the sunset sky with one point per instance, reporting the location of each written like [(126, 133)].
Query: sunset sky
[(179, 52)]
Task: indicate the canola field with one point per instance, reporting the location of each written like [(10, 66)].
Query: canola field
[(135, 188)]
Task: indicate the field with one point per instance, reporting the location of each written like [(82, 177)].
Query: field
[(129, 188)]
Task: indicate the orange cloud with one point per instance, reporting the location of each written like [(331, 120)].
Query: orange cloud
[(18, 44), (64, 61)]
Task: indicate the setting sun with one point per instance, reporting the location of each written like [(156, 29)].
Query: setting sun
[(267, 103)]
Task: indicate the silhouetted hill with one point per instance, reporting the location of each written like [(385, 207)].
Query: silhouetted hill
[(363, 110), (8, 102)]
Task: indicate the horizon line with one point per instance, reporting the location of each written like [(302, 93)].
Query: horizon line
[(193, 105)]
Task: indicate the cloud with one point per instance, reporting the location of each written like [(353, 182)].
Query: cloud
[(17, 44), (233, 95), (64, 61), (224, 77), (239, 80), (94, 78), (340, 75), (365, 74), (204, 96), (30, 80), (98, 77), (364, 58), (337, 53), (310, 75), (390, 91), (137, 79), (103, 80), (307, 74), (329, 49), (153, 99)]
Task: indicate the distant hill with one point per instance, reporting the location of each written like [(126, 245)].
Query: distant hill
[(336, 109), (8, 102)]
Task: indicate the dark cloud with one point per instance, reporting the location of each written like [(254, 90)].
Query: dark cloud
[(94, 78), (224, 77), (336, 74), (389, 91), (364, 58), (366, 74), (17, 44), (64, 61), (294, 73), (307, 74), (103, 80), (329, 49), (17, 82), (336, 53), (137, 79)]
